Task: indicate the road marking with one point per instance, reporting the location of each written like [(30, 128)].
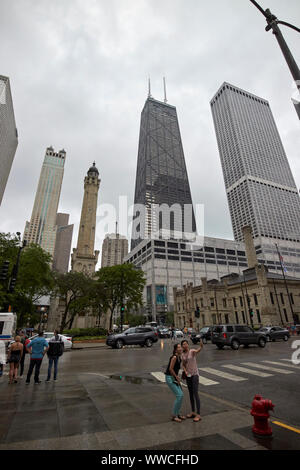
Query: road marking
[(248, 371), (287, 360), (206, 382), (272, 369), (159, 376), (225, 375), (286, 426), (282, 365)]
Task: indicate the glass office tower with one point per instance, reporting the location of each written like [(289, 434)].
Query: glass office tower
[(161, 178)]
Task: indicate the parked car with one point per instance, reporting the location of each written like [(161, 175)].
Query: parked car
[(191, 331), (67, 340), (163, 332), (178, 333), (275, 332), (204, 334), (235, 335), (144, 336)]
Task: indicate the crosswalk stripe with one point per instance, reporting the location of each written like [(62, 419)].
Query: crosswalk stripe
[(159, 376), (283, 365), (247, 371), (202, 380), (206, 382), (272, 369), (287, 360), (225, 375)]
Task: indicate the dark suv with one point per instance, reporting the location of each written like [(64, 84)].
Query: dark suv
[(235, 335), (204, 335), (144, 336)]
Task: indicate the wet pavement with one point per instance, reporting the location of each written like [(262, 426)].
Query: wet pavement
[(108, 399)]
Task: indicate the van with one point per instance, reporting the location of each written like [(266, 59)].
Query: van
[(8, 324)]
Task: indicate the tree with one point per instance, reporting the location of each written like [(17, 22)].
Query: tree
[(122, 284), (34, 279), (75, 289)]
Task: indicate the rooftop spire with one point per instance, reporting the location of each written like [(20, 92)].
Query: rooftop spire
[(149, 88), (165, 90)]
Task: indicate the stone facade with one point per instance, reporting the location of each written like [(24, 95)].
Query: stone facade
[(84, 258), (226, 301), (114, 249)]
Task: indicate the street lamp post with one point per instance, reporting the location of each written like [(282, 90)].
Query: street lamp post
[(273, 23)]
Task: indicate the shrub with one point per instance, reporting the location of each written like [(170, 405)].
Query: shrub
[(78, 332)]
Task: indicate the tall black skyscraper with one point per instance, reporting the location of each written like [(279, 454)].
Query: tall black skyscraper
[(161, 176)]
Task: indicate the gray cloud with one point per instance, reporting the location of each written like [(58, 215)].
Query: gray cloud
[(79, 71)]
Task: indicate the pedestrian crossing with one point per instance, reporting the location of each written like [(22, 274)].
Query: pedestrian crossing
[(239, 372)]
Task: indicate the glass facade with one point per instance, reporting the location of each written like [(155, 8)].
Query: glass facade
[(259, 183), (8, 133), (161, 177)]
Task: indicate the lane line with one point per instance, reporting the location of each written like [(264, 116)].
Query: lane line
[(282, 365), (278, 423), (248, 371), (272, 369), (224, 375), (206, 382), (159, 376)]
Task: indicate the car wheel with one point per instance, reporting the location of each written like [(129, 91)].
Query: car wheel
[(285, 338), (235, 344), (261, 342), (220, 346), (148, 343), (204, 340), (119, 344)]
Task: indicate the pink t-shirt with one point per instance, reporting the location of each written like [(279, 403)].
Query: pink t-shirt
[(189, 362)]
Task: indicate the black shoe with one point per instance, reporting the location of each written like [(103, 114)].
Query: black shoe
[(48, 380)]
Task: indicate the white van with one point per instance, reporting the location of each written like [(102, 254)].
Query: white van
[(8, 324)]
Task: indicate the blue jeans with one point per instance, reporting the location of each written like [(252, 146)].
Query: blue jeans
[(51, 360), (177, 390)]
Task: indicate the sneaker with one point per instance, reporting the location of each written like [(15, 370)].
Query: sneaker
[(39, 382)]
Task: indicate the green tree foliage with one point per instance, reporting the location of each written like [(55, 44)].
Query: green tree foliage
[(122, 284), (76, 291), (34, 278)]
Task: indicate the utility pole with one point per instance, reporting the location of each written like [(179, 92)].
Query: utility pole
[(272, 23)]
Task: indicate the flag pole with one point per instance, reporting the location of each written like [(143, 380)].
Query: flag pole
[(286, 286)]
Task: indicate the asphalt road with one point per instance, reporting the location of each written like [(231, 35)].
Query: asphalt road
[(253, 376)]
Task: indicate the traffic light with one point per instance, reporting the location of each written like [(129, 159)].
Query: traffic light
[(251, 313), (4, 271), (122, 308), (12, 285)]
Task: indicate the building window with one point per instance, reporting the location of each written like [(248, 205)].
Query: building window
[(292, 298), (212, 302), (272, 297), (282, 299), (285, 314), (214, 319), (243, 315), (255, 299), (237, 317), (241, 301), (234, 302), (224, 303), (201, 303), (226, 318), (258, 316)]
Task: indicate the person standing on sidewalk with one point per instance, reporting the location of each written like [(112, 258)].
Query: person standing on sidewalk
[(56, 349), (38, 347), (14, 357), (191, 371), (173, 382), (24, 341)]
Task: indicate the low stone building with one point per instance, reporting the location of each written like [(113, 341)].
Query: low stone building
[(255, 297)]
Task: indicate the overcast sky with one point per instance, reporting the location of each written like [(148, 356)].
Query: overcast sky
[(79, 69)]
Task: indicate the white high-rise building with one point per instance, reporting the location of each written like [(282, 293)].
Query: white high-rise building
[(42, 227), (8, 133), (259, 183), (260, 187)]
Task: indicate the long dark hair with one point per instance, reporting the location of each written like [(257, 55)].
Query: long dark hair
[(175, 348)]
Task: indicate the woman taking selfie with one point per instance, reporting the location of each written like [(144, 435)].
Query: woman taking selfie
[(173, 381)]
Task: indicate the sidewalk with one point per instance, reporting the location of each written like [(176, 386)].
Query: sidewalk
[(92, 411)]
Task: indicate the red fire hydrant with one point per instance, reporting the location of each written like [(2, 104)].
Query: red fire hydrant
[(260, 412)]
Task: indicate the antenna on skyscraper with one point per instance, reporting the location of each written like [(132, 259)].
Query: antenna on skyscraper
[(165, 91), (149, 88)]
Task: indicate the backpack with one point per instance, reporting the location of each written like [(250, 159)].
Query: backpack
[(56, 348)]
